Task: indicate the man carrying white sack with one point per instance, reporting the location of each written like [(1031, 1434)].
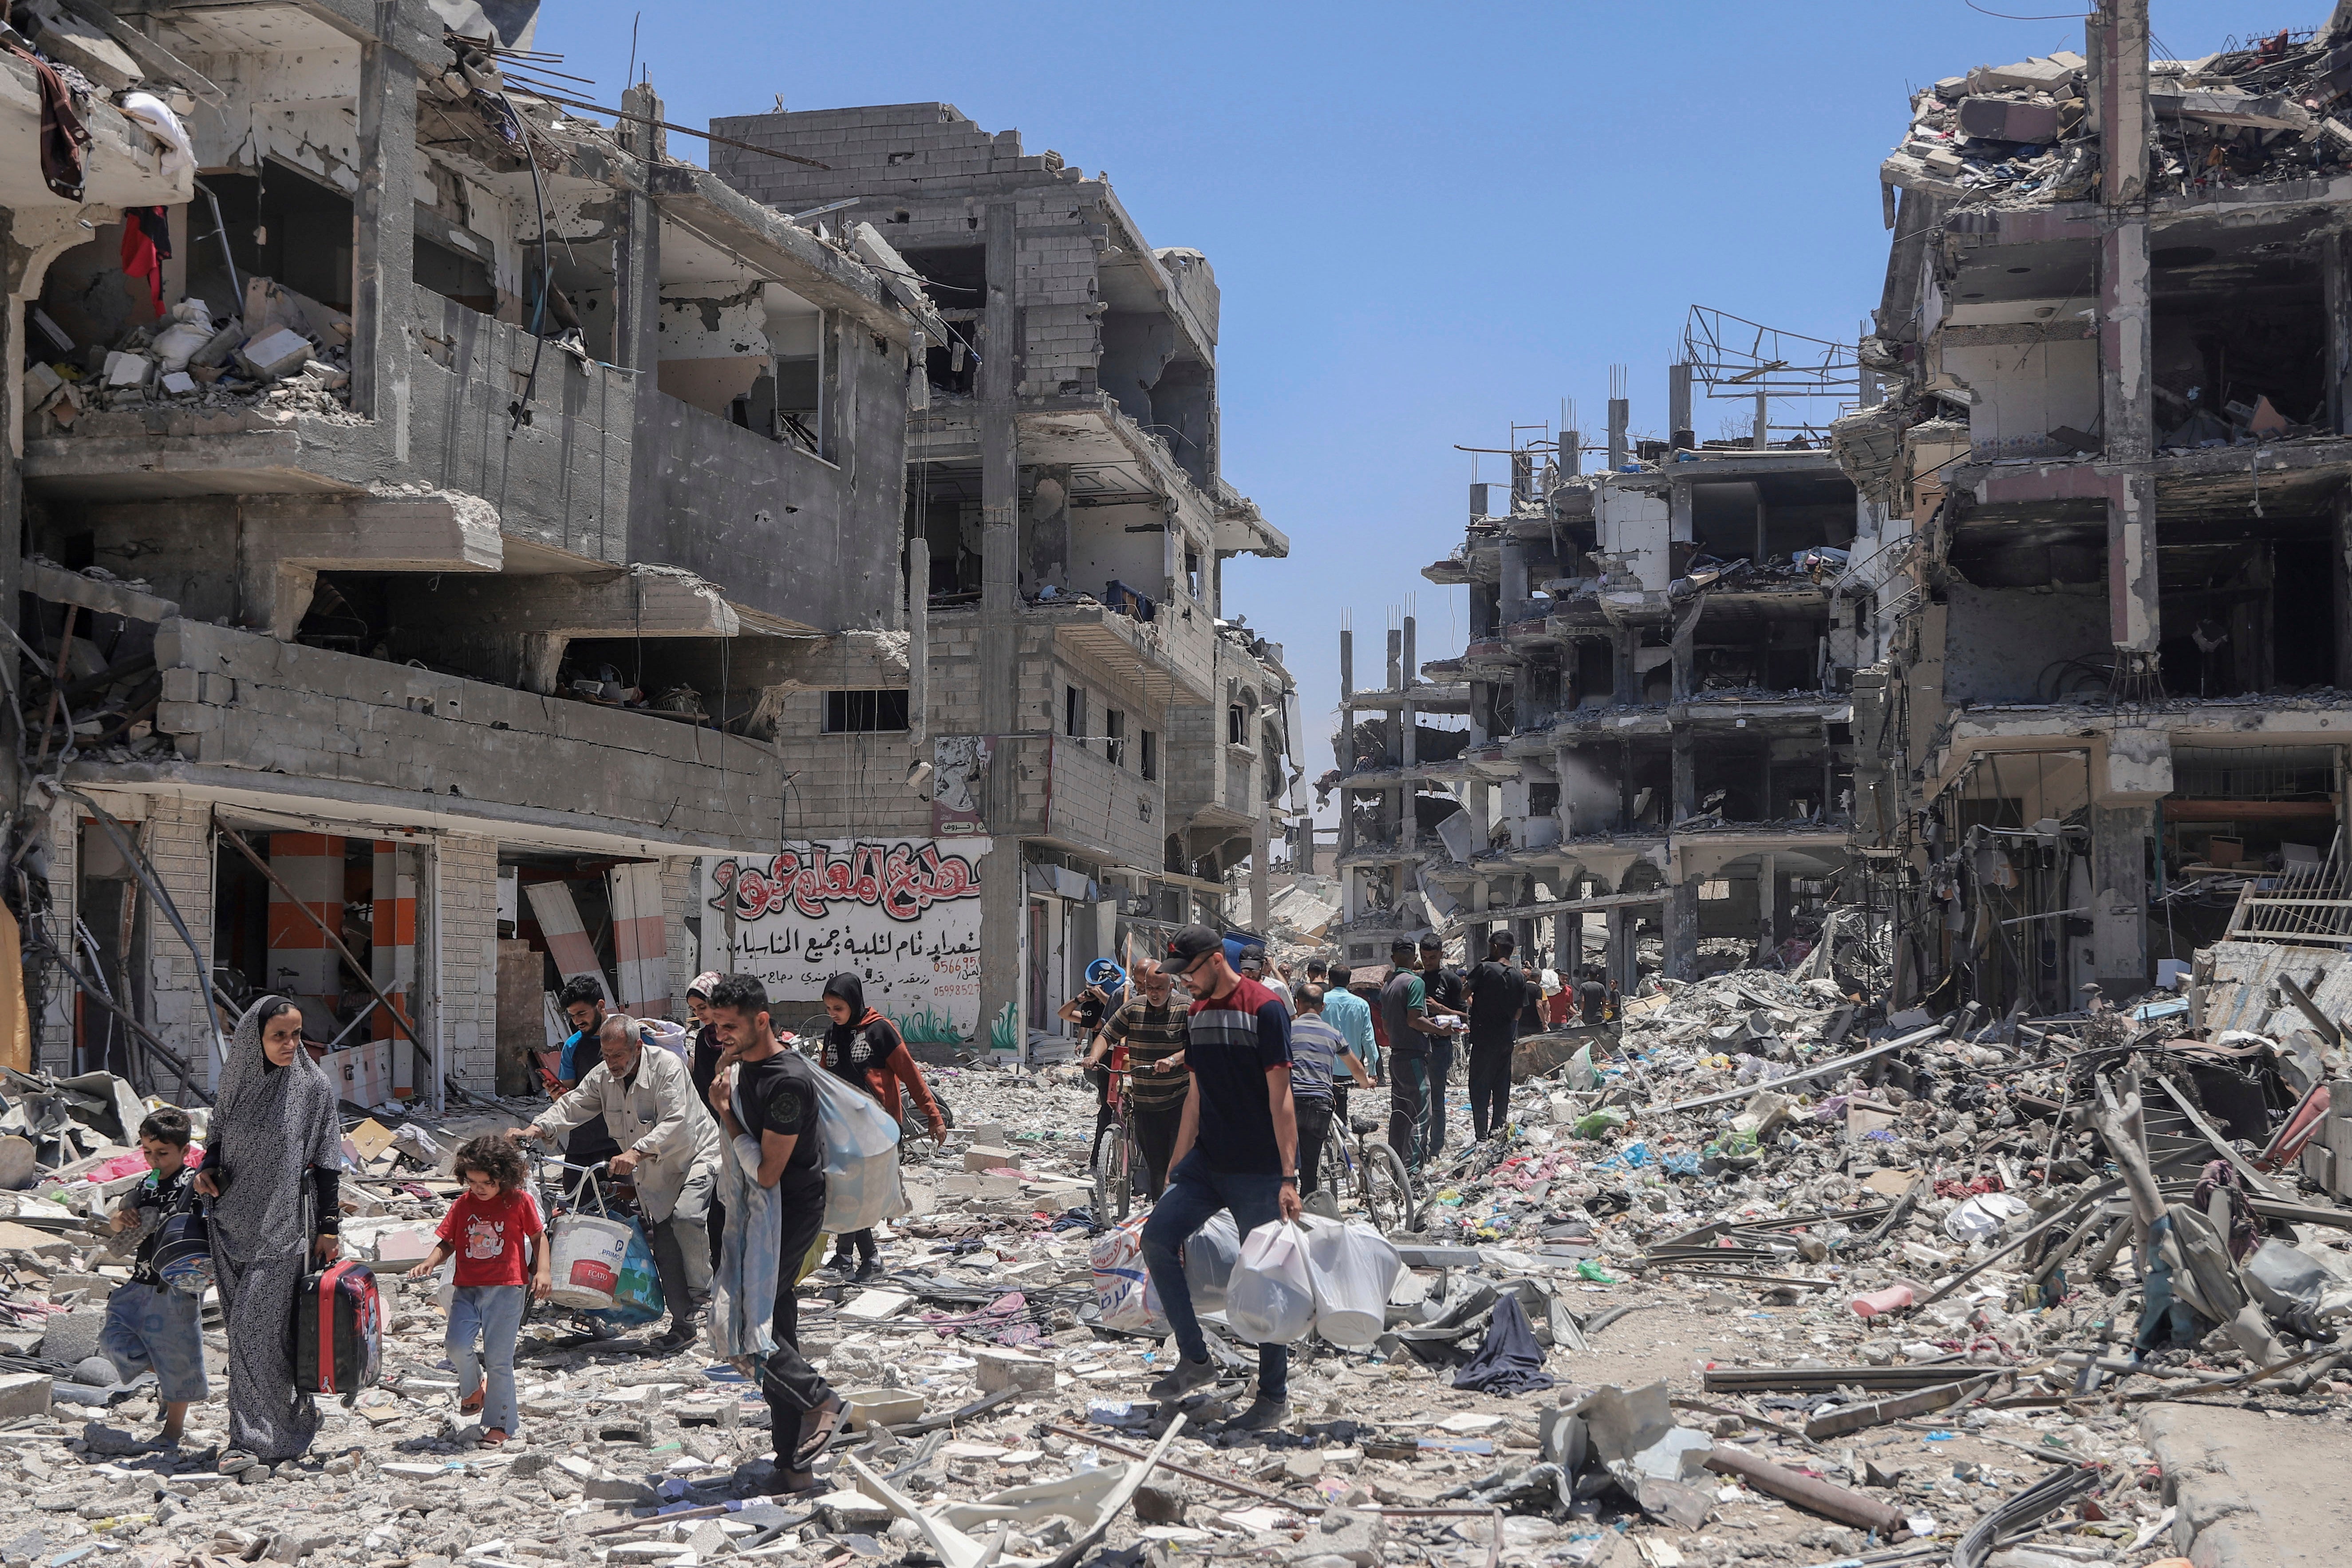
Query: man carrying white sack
[(1236, 1148), (669, 1149)]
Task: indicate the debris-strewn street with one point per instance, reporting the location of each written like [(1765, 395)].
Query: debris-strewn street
[(1806, 1283)]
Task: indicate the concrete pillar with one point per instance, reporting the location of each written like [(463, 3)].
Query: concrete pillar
[(1620, 416), (1679, 431), (1763, 437), (2120, 840), (1473, 942), (1396, 660), (1623, 962), (1768, 899), (1262, 865), (383, 214), (1567, 935), (2336, 292), (2127, 401), (1686, 778), (919, 651), (1515, 576), (1345, 759), (1626, 793), (1682, 931), (2115, 40), (1046, 533), (1571, 453), (1408, 715), (636, 254), (1625, 645), (1003, 928)]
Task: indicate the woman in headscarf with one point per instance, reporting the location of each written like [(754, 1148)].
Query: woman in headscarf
[(272, 1173), (864, 1048), (702, 1059)]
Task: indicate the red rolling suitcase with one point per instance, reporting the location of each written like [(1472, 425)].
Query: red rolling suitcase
[(338, 1330)]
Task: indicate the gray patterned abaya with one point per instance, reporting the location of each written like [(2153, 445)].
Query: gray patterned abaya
[(270, 1127)]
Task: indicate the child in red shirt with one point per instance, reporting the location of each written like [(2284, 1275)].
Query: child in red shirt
[(490, 1230)]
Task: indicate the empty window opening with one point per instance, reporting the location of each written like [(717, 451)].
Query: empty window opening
[(1115, 733), (864, 712), (1147, 754)]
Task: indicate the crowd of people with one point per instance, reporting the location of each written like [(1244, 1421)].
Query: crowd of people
[(1231, 1071)]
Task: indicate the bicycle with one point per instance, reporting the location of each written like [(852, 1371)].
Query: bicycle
[(1353, 1158), (1115, 1156)]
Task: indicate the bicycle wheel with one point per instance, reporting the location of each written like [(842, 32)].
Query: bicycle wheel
[(1388, 1190), (1108, 1168), (1336, 1173)]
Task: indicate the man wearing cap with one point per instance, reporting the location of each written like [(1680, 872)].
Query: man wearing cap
[(1404, 1018), (1236, 1148), (1255, 967)]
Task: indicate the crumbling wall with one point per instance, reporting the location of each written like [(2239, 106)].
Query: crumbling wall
[(2002, 645), (465, 884), (785, 531)]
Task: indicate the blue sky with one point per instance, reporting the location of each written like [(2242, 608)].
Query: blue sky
[(1428, 223)]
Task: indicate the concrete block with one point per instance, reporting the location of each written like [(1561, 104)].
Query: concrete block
[(2008, 120), (986, 1157), (25, 1240), (1000, 1369), (72, 1337), (971, 1185), (22, 1394)]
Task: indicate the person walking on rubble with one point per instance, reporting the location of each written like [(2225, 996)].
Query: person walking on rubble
[(1496, 993), (864, 1048), (668, 1147), (1404, 1018), (1149, 1029), (703, 1048), (274, 1174), (769, 1094), (1236, 1148)]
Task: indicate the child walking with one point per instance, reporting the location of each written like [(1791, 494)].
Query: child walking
[(490, 1230), (149, 1324)]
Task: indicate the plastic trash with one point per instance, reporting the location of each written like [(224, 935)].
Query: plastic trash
[(1209, 1259), (1352, 1268), (1871, 1303), (1587, 1269), (1125, 1297), (636, 1290), (861, 1158), (1270, 1299), (1982, 1217), (1595, 1124)]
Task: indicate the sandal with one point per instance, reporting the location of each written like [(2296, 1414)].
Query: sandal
[(472, 1404), (494, 1438), (828, 1420)]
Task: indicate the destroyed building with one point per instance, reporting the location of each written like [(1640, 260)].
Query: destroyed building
[(2113, 450), (421, 484), (1654, 688), (1072, 717)]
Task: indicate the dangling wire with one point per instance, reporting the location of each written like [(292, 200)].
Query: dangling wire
[(518, 411)]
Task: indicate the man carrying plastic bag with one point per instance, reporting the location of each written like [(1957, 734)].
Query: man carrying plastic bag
[(1236, 1148)]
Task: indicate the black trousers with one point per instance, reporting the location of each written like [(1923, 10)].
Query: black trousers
[(866, 1246), (1155, 1134), (1314, 1128), (1490, 1087), (788, 1383)]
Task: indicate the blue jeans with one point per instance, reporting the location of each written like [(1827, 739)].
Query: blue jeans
[(1194, 1193), (156, 1327), (1441, 1071), (1409, 1107), (491, 1313)]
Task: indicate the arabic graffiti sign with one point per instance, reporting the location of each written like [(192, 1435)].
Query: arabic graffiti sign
[(902, 914)]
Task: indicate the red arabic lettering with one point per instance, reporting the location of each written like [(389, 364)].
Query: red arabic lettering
[(900, 878)]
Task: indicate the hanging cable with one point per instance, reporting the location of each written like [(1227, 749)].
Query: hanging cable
[(518, 411)]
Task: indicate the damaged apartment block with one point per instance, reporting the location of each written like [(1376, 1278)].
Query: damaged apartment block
[(1072, 701), (1653, 732), (2115, 334), (419, 481)]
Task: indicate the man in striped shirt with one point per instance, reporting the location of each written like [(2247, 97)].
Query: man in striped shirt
[(1236, 1148)]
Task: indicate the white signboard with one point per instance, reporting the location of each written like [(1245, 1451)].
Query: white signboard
[(901, 914)]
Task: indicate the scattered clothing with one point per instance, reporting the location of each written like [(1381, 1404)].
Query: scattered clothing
[(1509, 1361)]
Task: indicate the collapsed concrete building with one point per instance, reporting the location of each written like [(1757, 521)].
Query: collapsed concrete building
[(1071, 717), (1657, 740), (2117, 330), (417, 489)]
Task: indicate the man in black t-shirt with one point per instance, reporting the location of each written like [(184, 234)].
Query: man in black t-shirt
[(770, 1093), (1496, 993), (1592, 999)]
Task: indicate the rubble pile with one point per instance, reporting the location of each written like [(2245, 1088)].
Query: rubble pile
[(1758, 1272)]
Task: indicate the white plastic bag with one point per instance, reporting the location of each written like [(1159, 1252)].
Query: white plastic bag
[(1270, 1300), (1125, 1297), (1209, 1260), (861, 1157), (1352, 1268), (1979, 1218)]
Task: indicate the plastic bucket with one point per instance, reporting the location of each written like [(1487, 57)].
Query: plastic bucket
[(589, 1252)]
